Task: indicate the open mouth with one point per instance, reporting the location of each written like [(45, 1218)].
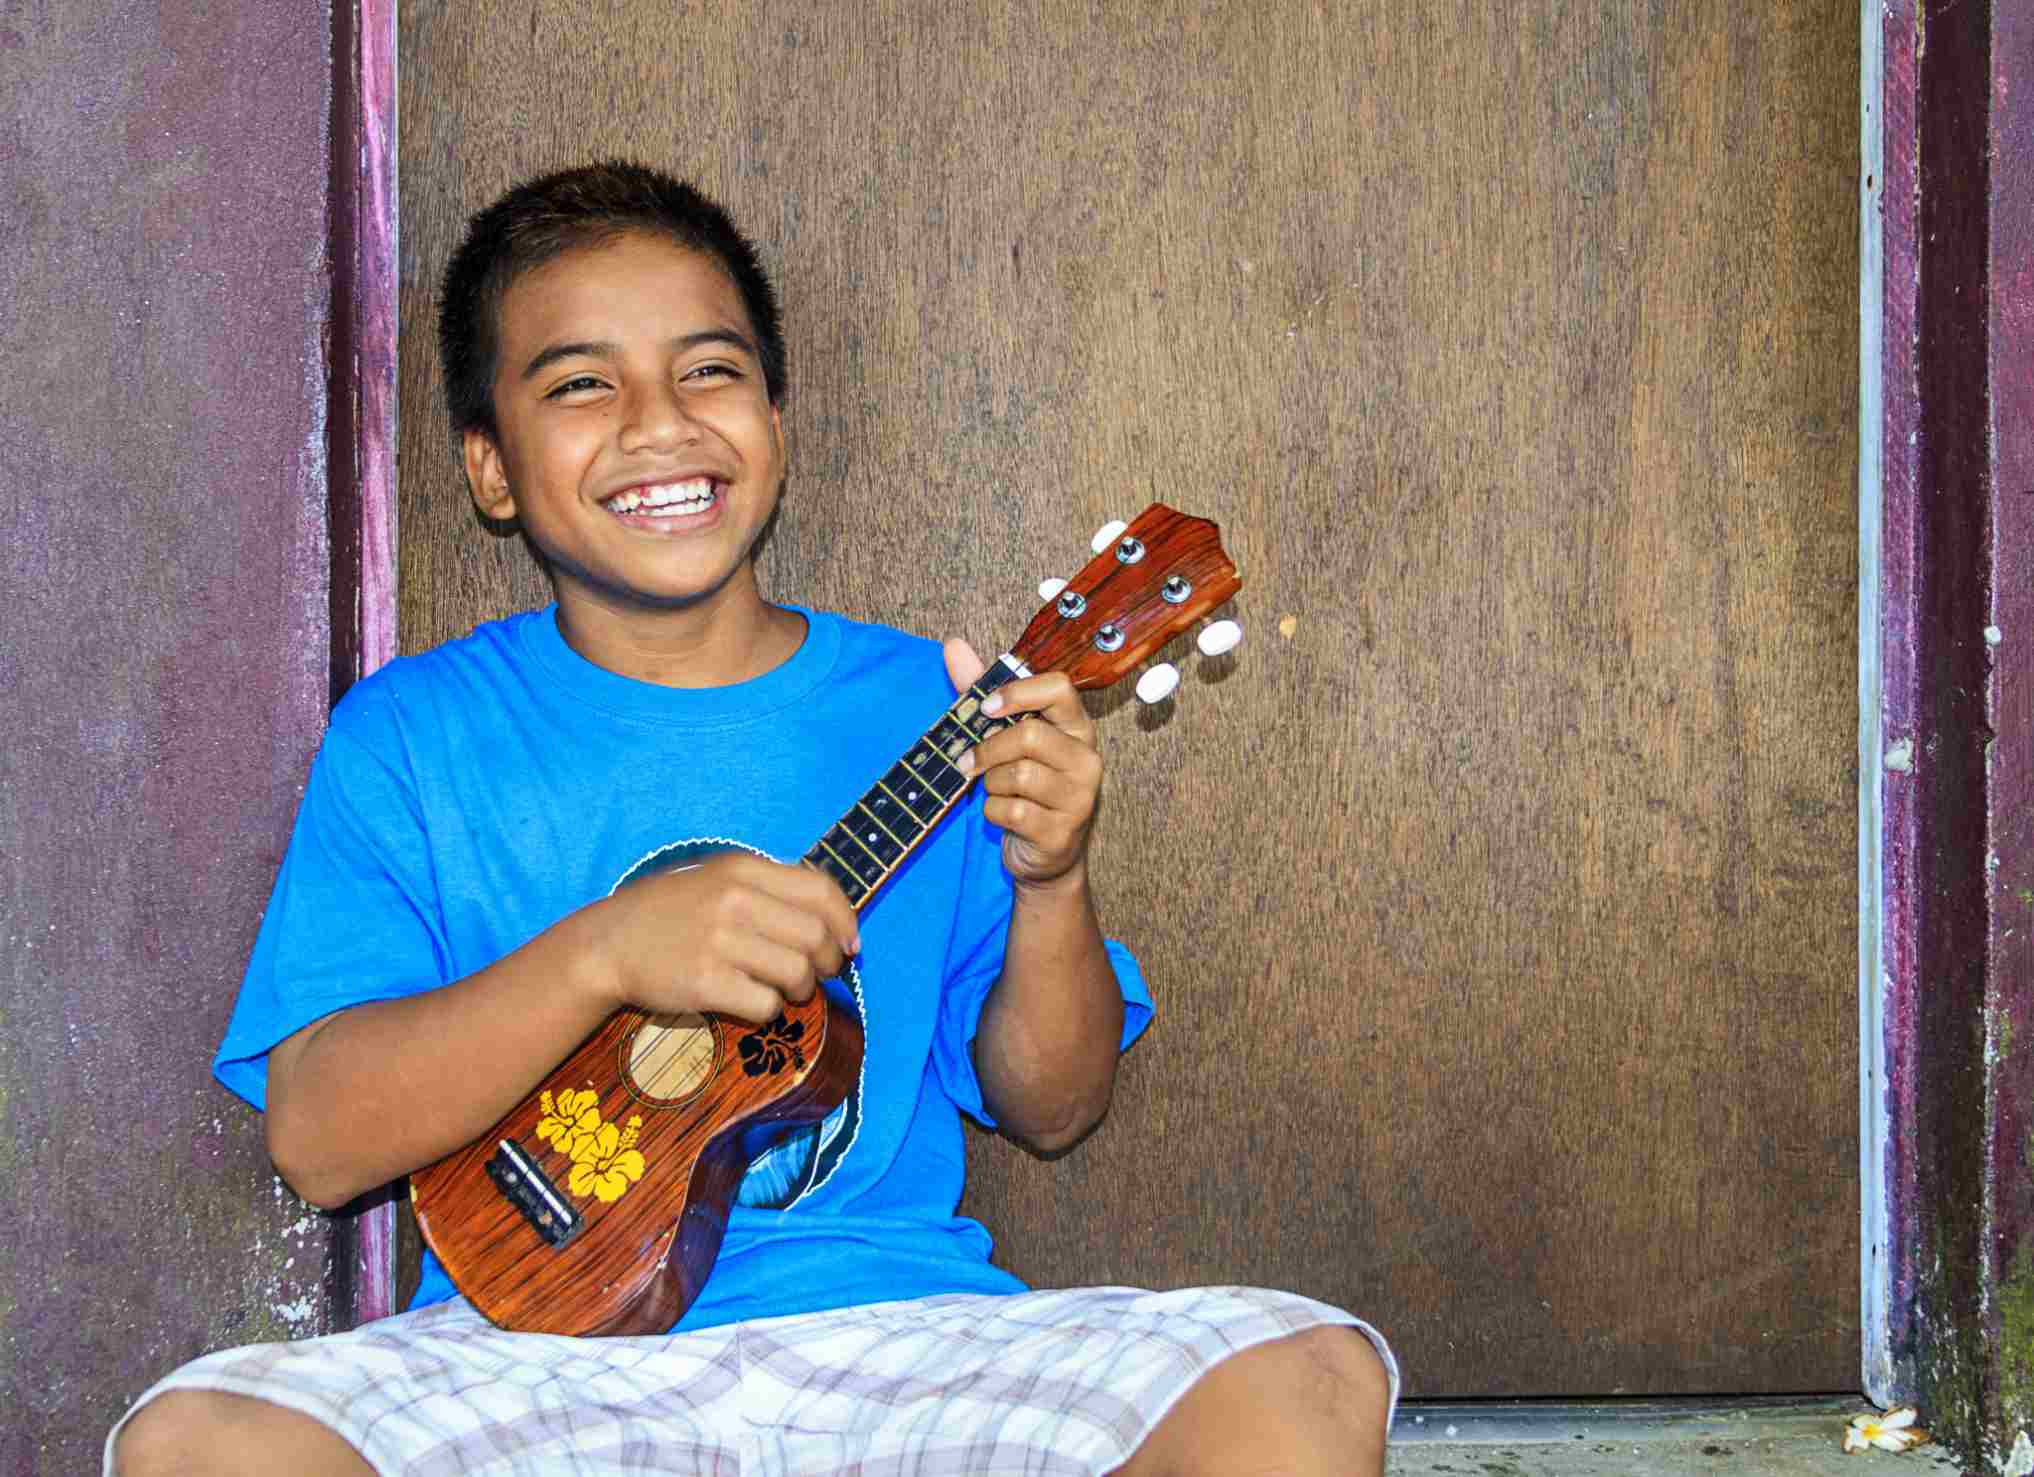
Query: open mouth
[(665, 503)]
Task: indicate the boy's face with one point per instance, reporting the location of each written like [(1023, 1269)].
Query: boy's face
[(637, 443)]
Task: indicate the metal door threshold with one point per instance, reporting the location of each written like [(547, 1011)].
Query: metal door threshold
[(1535, 1422)]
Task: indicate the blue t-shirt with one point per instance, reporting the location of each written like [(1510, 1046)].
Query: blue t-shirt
[(466, 799)]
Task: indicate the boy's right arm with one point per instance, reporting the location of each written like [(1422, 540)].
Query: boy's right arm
[(382, 1088)]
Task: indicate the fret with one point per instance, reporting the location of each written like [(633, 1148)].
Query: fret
[(891, 815), (901, 785), (950, 739), (968, 715), (998, 675), (981, 725), (968, 710), (843, 837), (941, 777), (869, 834), (841, 846), (823, 861)]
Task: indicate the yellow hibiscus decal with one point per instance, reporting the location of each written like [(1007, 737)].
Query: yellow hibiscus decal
[(572, 1120), (606, 1162)]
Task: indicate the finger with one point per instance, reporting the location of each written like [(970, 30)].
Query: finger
[(778, 967), (963, 664), (746, 999), (1051, 695), (843, 928), (812, 892), (809, 933), (1044, 786), (1071, 753), (1053, 838)]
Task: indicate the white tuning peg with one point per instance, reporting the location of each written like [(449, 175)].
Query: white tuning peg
[(1156, 685), (1220, 637), (1049, 588), (1107, 534)]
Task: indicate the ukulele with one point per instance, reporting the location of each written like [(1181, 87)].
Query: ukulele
[(597, 1204)]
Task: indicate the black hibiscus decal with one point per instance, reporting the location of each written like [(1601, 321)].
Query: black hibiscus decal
[(771, 1048)]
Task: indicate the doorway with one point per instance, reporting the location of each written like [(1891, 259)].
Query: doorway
[(1500, 898)]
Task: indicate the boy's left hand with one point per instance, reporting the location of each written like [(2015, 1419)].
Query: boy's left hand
[(1043, 778)]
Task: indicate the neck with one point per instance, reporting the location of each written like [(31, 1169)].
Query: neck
[(729, 636), (864, 849)]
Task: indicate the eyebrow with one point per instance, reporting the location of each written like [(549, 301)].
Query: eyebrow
[(609, 349)]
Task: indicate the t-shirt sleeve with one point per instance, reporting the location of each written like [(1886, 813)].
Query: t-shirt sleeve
[(354, 914), (975, 962)]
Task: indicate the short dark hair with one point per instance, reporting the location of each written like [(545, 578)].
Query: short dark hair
[(573, 208)]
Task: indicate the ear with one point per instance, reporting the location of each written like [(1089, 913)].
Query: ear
[(487, 478)]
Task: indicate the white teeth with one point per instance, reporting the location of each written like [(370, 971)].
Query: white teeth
[(671, 499)]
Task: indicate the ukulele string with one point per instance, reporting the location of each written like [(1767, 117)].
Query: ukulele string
[(669, 1058)]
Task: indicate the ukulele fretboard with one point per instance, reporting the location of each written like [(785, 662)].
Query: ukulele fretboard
[(862, 848)]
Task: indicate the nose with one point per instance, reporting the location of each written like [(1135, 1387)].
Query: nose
[(655, 418)]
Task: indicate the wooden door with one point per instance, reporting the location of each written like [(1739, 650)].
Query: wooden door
[(1500, 897)]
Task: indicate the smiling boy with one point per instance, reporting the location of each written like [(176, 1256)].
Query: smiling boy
[(575, 810)]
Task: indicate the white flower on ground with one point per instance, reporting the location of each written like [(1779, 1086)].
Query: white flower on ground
[(1893, 1431)]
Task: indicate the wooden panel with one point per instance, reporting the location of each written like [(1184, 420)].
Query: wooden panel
[(1500, 896)]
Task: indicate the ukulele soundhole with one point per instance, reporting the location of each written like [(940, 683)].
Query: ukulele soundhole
[(667, 1059)]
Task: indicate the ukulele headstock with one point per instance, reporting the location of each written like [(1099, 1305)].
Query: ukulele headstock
[(1154, 580)]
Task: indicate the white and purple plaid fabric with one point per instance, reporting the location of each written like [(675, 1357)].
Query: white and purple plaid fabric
[(1039, 1383)]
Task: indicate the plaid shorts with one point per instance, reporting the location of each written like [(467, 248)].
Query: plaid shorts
[(1038, 1383)]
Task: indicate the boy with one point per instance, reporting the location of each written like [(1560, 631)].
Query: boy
[(451, 921)]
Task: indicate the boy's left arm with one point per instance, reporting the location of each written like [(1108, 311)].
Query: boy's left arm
[(1046, 1048)]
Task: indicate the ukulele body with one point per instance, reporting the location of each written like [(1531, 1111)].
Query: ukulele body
[(694, 1099)]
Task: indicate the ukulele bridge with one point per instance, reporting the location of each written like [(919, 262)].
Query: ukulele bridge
[(529, 1190)]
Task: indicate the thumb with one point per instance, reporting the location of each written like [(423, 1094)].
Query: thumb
[(963, 666)]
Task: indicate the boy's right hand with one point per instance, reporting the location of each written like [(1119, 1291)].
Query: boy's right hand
[(737, 934)]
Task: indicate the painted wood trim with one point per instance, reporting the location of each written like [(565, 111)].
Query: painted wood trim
[(2009, 641), (1873, 1129), (1894, 1376), (1947, 727), (362, 431)]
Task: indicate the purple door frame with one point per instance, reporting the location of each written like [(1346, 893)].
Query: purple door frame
[(1946, 638), (1946, 667), (362, 438)]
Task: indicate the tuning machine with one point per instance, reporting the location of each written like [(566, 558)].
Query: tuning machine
[(1157, 684), (1161, 681), (1219, 638)]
